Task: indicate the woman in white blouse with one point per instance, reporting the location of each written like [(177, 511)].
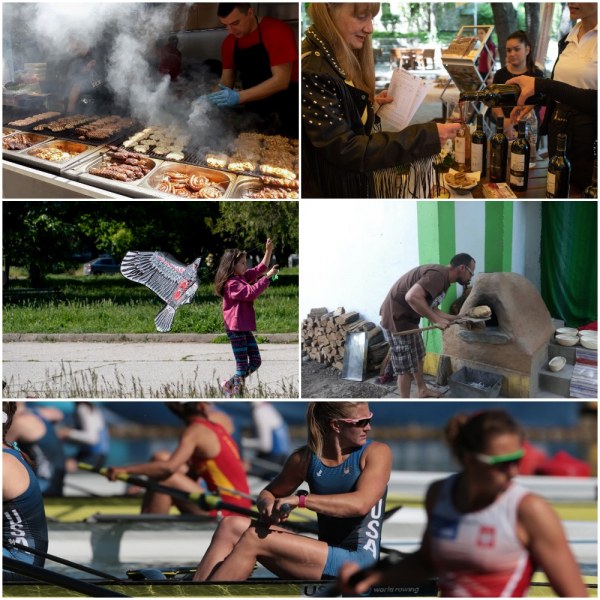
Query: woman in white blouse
[(573, 91)]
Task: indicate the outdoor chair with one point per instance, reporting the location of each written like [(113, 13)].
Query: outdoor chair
[(429, 57), (395, 57)]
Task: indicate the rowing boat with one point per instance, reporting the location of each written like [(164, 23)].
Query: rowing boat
[(408, 484), (172, 589), (257, 588), (148, 539)]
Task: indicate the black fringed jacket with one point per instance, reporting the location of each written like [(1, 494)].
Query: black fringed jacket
[(339, 151)]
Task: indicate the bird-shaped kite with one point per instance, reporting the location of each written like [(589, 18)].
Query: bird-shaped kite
[(170, 280)]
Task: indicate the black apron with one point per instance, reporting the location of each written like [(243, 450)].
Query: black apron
[(279, 112)]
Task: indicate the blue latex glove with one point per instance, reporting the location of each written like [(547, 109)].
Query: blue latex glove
[(226, 97)]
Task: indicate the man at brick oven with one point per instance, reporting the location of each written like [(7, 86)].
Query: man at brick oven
[(418, 293), (264, 52)]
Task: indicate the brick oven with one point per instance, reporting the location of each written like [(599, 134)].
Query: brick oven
[(513, 343)]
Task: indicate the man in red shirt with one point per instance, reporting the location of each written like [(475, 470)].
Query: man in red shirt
[(264, 51)]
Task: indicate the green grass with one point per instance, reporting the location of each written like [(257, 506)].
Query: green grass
[(111, 304)]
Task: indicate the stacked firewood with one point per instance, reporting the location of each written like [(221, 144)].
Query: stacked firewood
[(324, 333)]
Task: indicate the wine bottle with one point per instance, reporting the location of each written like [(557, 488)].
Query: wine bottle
[(519, 160), (591, 191), (462, 148), (479, 148), (498, 153), (499, 94), (559, 171)]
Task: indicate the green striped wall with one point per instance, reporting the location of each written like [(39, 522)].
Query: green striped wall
[(437, 244), (498, 236), (436, 223)]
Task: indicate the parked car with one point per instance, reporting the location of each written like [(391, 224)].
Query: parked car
[(100, 265)]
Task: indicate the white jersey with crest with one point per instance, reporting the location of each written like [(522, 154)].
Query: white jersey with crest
[(479, 554)]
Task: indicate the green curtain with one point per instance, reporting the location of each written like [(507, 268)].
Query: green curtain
[(569, 261)]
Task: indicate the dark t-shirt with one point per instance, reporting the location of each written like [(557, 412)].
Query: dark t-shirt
[(396, 313), (503, 75)]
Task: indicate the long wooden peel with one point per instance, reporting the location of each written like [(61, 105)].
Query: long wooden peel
[(457, 322)]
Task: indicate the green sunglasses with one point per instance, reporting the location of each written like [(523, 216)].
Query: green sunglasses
[(500, 459)]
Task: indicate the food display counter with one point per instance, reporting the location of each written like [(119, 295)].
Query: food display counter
[(37, 165)]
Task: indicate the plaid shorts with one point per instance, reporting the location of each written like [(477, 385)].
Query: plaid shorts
[(408, 351)]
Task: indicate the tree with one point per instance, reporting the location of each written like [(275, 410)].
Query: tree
[(505, 19), (247, 225), (532, 24), (37, 236)]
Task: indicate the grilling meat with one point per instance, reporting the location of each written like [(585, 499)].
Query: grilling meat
[(122, 165), (53, 154), (292, 184), (18, 141), (34, 119), (189, 185)]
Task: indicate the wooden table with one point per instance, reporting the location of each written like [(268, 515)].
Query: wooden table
[(408, 58), (536, 187)]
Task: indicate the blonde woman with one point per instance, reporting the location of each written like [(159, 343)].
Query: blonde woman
[(347, 477), (341, 147)]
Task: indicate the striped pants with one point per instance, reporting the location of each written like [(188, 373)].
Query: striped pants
[(246, 354)]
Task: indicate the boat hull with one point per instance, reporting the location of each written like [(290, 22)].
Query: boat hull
[(175, 589)]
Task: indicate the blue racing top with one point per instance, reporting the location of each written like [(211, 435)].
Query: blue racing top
[(49, 457), (352, 533), (24, 520)]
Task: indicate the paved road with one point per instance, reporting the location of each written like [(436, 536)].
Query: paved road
[(140, 369)]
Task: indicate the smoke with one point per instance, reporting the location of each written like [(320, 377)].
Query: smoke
[(126, 36)]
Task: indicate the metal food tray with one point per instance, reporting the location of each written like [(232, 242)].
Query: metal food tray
[(245, 183), (129, 188), (153, 179), (84, 150), (17, 155)]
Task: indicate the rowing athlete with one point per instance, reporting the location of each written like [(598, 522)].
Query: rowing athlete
[(23, 517), (485, 534), (33, 429), (347, 476), (205, 452)]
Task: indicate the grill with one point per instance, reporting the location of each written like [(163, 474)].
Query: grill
[(69, 134), (513, 343)]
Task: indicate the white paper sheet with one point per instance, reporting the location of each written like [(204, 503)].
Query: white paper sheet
[(408, 92)]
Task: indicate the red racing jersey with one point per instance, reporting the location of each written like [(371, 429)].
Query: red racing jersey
[(224, 470)]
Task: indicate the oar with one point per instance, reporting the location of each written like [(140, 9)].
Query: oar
[(60, 560), (69, 583), (213, 502), (203, 500)]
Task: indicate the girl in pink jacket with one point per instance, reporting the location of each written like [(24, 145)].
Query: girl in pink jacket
[(239, 287)]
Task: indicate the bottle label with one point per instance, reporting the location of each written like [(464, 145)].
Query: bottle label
[(551, 185), (517, 162), (460, 147), (477, 157)]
